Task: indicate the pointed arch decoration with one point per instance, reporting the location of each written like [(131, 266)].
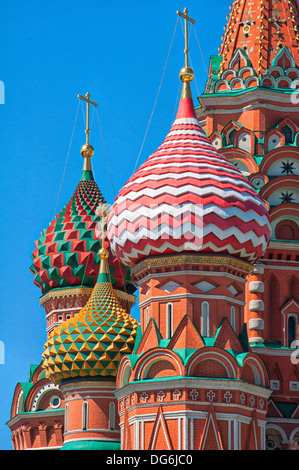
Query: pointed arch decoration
[(239, 60), (252, 441), (284, 59), (232, 126), (211, 437), (160, 437)]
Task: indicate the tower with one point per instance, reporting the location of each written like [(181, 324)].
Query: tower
[(65, 260), (190, 226), (82, 355), (65, 265), (250, 115)]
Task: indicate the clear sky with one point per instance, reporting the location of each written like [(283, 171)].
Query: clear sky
[(51, 51)]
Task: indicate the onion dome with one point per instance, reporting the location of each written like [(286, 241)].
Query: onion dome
[(187, 197), (92, 343), (66, 253)]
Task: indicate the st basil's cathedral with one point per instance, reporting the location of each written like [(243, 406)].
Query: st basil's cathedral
[(206, 231)]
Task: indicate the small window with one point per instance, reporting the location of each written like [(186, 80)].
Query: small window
[(146, 316), (288, 134), (55, 401), (112, 416), (169, 320), (294, 386), (292, 329), (84, 415), (275, 384), (233, 317), (231, 137), (205, 320)]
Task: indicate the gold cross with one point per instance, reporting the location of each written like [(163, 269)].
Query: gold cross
[(187, 18), (88, 102)]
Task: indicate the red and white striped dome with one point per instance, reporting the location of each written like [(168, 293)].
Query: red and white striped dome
[(187, 197)]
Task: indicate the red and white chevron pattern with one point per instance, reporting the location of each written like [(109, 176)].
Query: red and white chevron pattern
[(188, 197)]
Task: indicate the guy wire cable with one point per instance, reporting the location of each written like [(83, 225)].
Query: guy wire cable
[(156, 96), (68, 153)]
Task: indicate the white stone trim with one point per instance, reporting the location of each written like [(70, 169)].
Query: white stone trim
[(191, 382), (256, 286), (256, 306), (256, 324), (192, 273), (189, 296)]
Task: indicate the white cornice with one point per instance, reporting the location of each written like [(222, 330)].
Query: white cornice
[(197, 414), (264, 351), (63, 310), (205, 296), (92, 430), (35, 414), (261, 95), (288, 267), (172, 274), (283, 420), (86, 386), (44, 448), (282, 245), (250, 107), (94, 438), (192, 382)]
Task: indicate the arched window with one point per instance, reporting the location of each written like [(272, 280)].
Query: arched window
[(20, 402), (169, 320), (233, 317), (205, 321), (84, 415), (112, 416), (292, 329), (288, 133), (126, 375), (231, 137)]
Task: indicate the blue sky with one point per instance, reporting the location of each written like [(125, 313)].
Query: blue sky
[(50, 52)]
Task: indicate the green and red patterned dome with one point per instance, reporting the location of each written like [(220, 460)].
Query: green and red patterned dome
[(93, 342), (66, 254)]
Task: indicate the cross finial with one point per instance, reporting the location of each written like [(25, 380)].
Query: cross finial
[(87, 150), (186, 18), (88, 102)]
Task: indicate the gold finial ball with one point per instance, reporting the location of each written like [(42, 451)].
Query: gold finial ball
[(87, 151), (103, 253), (186, 74)]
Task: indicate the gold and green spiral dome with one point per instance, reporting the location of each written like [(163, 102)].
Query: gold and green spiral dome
[(92, 343)]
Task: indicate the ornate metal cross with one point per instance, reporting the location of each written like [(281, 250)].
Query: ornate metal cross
[(88, 102), (186, 18)]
